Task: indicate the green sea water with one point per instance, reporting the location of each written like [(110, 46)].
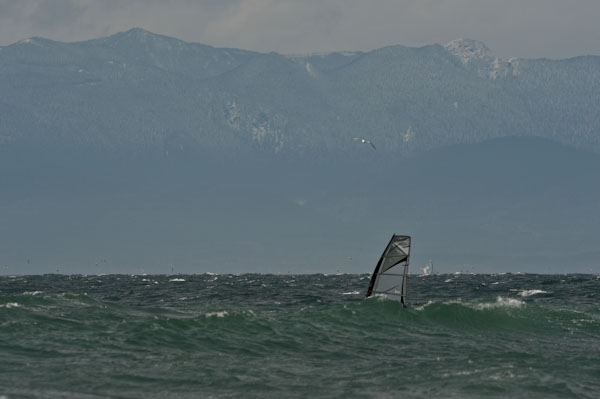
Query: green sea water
[(298, 336)]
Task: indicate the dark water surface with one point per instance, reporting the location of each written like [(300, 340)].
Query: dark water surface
[(298, 336)]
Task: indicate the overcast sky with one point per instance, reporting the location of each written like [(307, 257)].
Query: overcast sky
[(511, 28)]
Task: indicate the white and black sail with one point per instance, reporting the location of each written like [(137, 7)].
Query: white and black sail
[(389, 277)]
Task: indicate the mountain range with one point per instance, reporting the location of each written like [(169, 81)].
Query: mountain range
[(137, 91)]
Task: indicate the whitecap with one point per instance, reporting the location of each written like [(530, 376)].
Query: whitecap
[(525, 293), (422, 307), (501, 302), (351, 293), (176, 280), (9, 305), (461, 373), (453, 301), (32, 293), (220, 314)]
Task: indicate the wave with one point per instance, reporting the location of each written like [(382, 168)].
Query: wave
[(238, 306), (532, 292), (490, 316), (9, 305), (220, 314), (33, 292), (237, 335), (501, 302)]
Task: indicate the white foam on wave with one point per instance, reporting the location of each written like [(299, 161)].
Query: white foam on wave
[(32, 293), (454, 301), (177, 280), (461, 373), (422, 307), (351, 293), (525, 293), (501, 302), (9, 305), (220, 314)]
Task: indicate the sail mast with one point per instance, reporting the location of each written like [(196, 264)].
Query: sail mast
[(404, 277)]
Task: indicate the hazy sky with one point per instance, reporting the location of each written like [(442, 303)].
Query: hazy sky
[(511, 28)]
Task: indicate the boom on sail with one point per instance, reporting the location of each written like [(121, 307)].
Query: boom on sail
[(389, 276)]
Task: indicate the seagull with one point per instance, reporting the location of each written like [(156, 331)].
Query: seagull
[(365, 141)]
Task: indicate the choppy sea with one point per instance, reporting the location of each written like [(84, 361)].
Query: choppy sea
[(298, 336)]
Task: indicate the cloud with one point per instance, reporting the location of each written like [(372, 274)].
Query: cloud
[(524, 28)]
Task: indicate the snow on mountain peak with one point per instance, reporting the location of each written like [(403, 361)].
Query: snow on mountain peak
[(469, 50), (33, 41), (477, 56)]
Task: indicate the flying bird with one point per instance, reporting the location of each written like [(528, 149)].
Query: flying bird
[(365, 141)]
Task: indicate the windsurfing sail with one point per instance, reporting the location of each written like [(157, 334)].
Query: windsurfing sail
[(389, 276)]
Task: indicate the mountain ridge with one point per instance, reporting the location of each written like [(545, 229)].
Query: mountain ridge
[(135, 90)]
